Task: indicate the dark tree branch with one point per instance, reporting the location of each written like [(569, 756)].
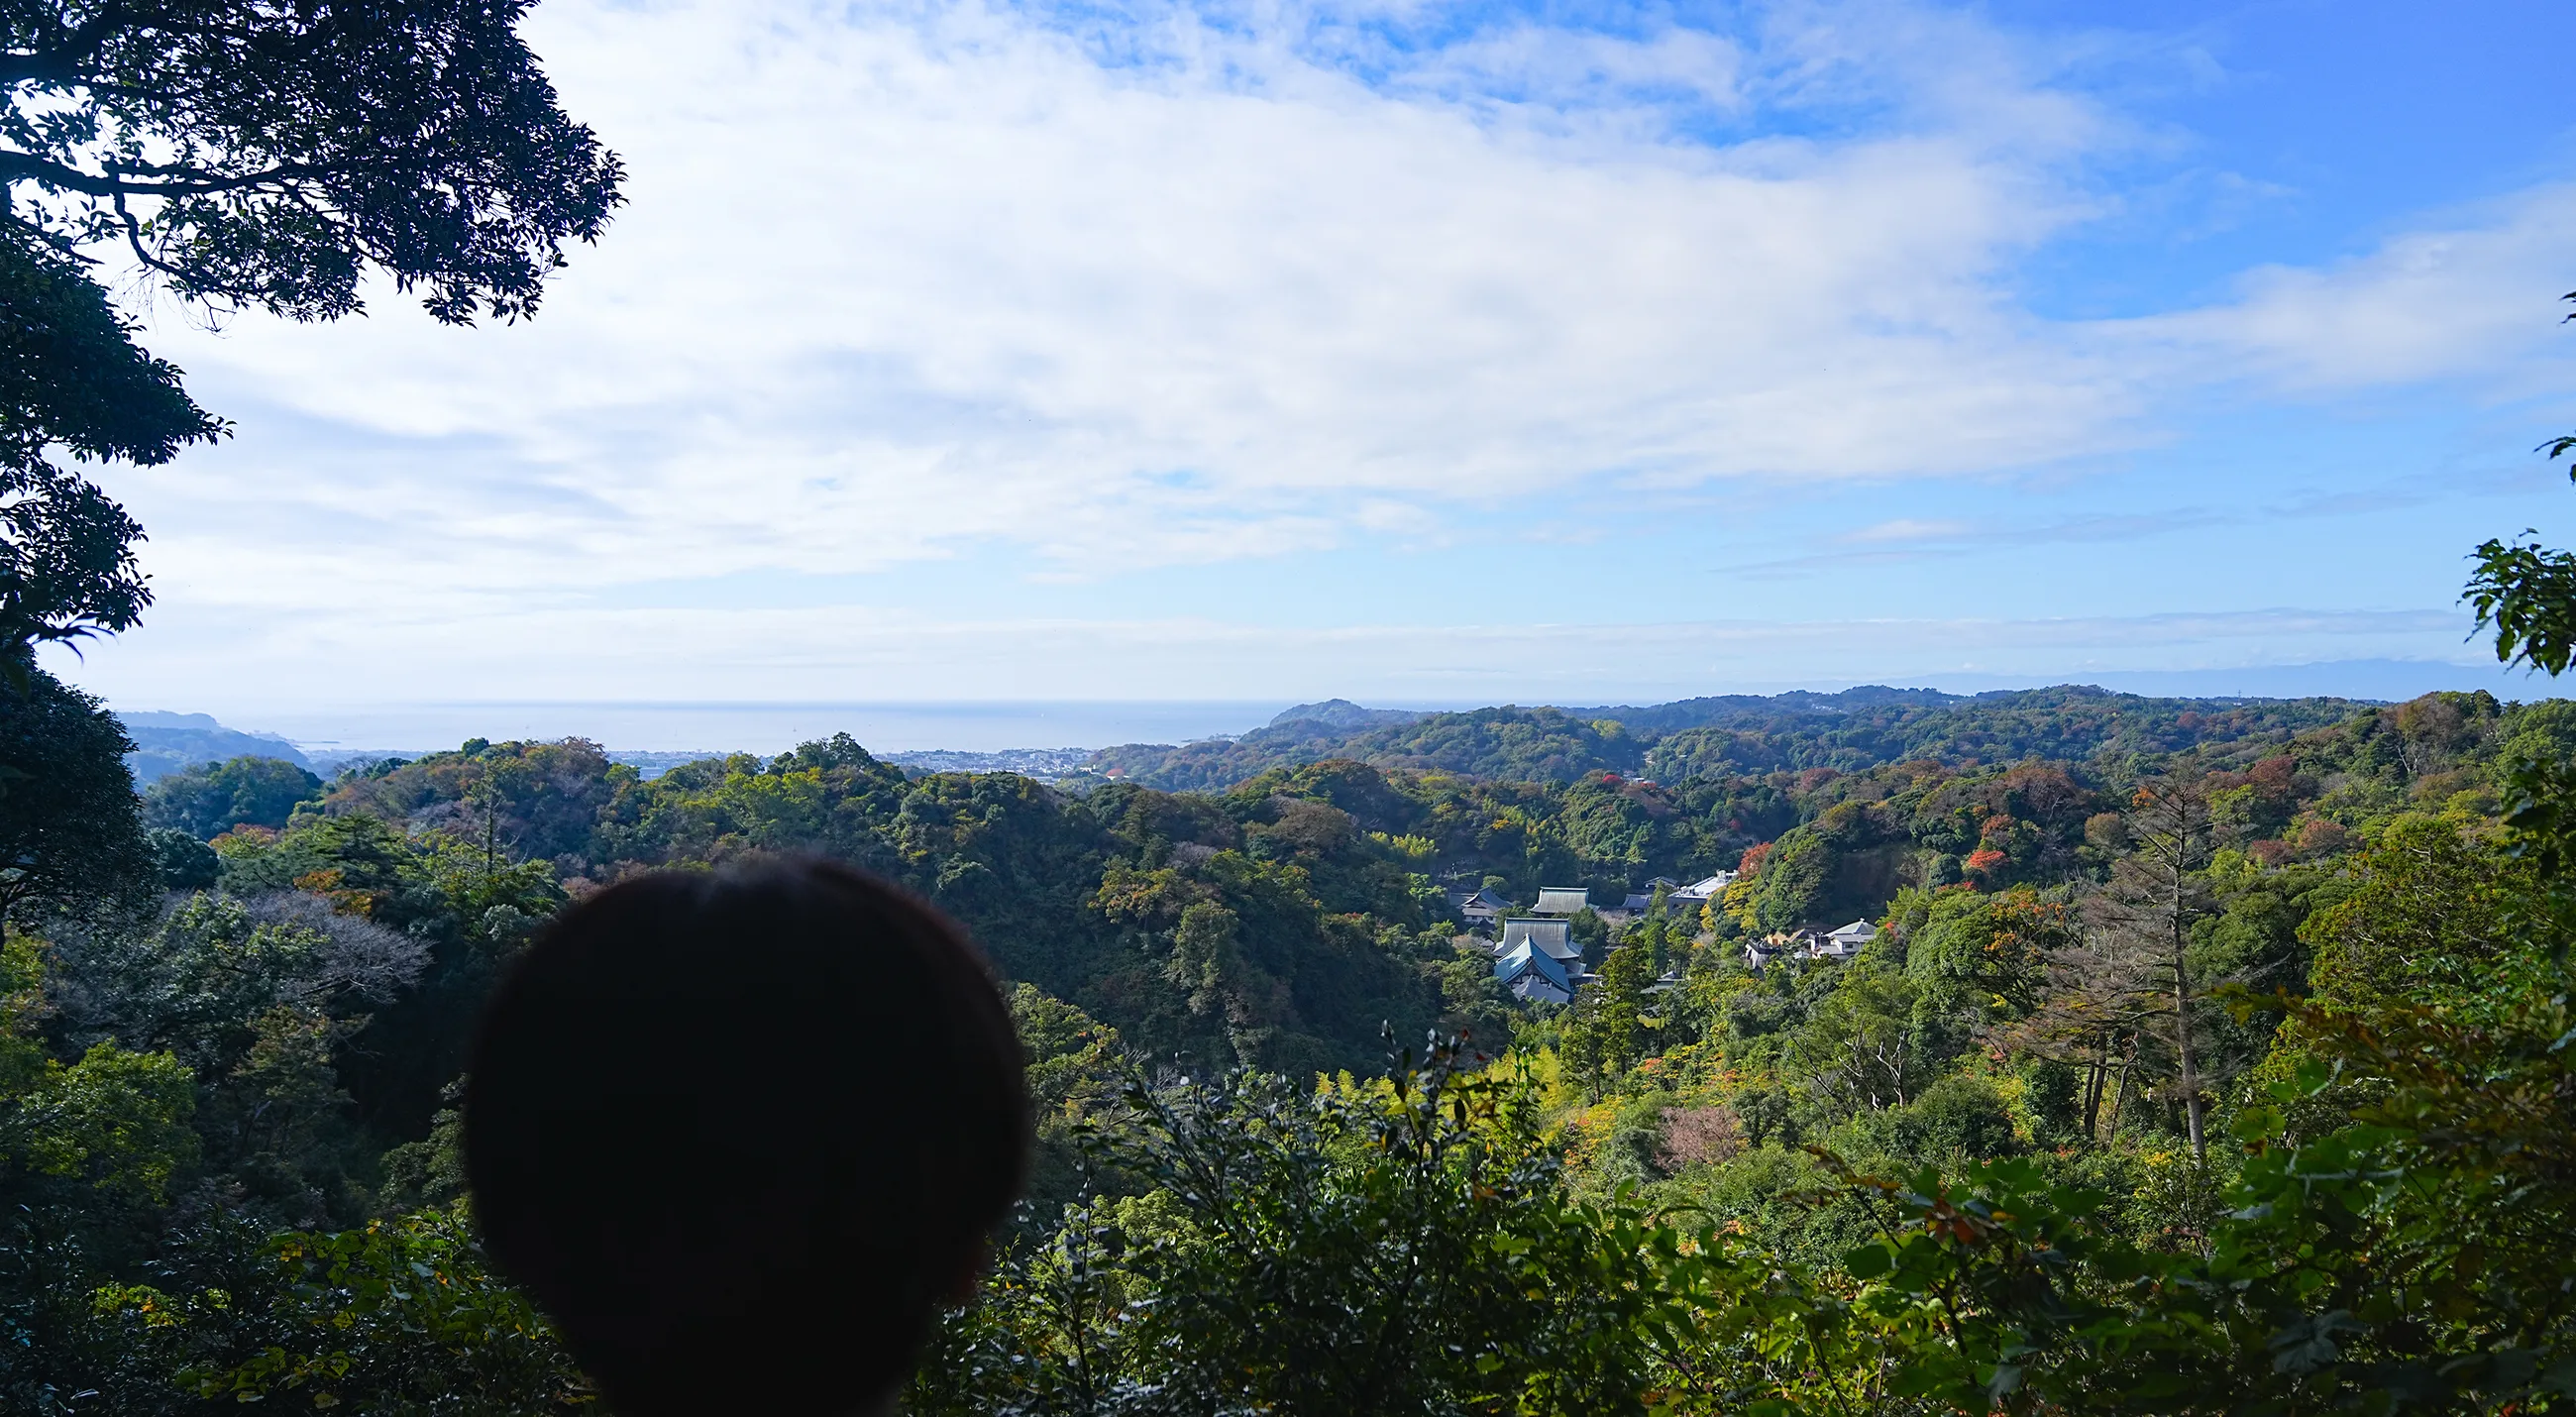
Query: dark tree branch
[(279, 150), (64, 61), (21, 166)]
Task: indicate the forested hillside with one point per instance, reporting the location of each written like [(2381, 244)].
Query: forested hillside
[(170, 742), (1319, 882), (1881, 1053), (1851, 731), (240, 999)]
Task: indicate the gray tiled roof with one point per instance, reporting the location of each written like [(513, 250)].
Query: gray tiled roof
[(1555, 938), (1561, 900)]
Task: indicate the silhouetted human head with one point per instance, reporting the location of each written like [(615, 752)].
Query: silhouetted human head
[(739, 1133)]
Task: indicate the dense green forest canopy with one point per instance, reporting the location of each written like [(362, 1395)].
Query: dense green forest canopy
[(1316, 888), (2120, 735), (1309, 899), (2175, 1056), (240, 1005)]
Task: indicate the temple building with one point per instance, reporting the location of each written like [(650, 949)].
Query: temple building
[(1539, 961), (1562, 900)]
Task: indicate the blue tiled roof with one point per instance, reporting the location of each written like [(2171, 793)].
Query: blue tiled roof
[(1525, 960)]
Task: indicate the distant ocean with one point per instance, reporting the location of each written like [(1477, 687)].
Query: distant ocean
[(760, 728), (338, 733)]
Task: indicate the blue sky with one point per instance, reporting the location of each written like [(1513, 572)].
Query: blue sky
[(1421, 353)]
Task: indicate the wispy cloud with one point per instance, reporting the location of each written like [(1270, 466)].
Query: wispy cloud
[(896, 278), (1907, 529), (895, 654), (1911, 539), (2472, 295)]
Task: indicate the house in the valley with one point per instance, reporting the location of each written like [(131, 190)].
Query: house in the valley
[(1782, 944), (1639, 902), (1843, 943), (1700, 892)]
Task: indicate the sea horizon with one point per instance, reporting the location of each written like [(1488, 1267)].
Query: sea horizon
[(997, 725), (716, 727)]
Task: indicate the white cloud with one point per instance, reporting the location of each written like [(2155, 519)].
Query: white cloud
[(901, 280), (1905, 529), (1528, 65), (2472, 296), (897, 279)]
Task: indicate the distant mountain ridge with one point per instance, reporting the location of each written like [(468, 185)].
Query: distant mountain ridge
[(1849, 731), (1742, 734), (169, 742)]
